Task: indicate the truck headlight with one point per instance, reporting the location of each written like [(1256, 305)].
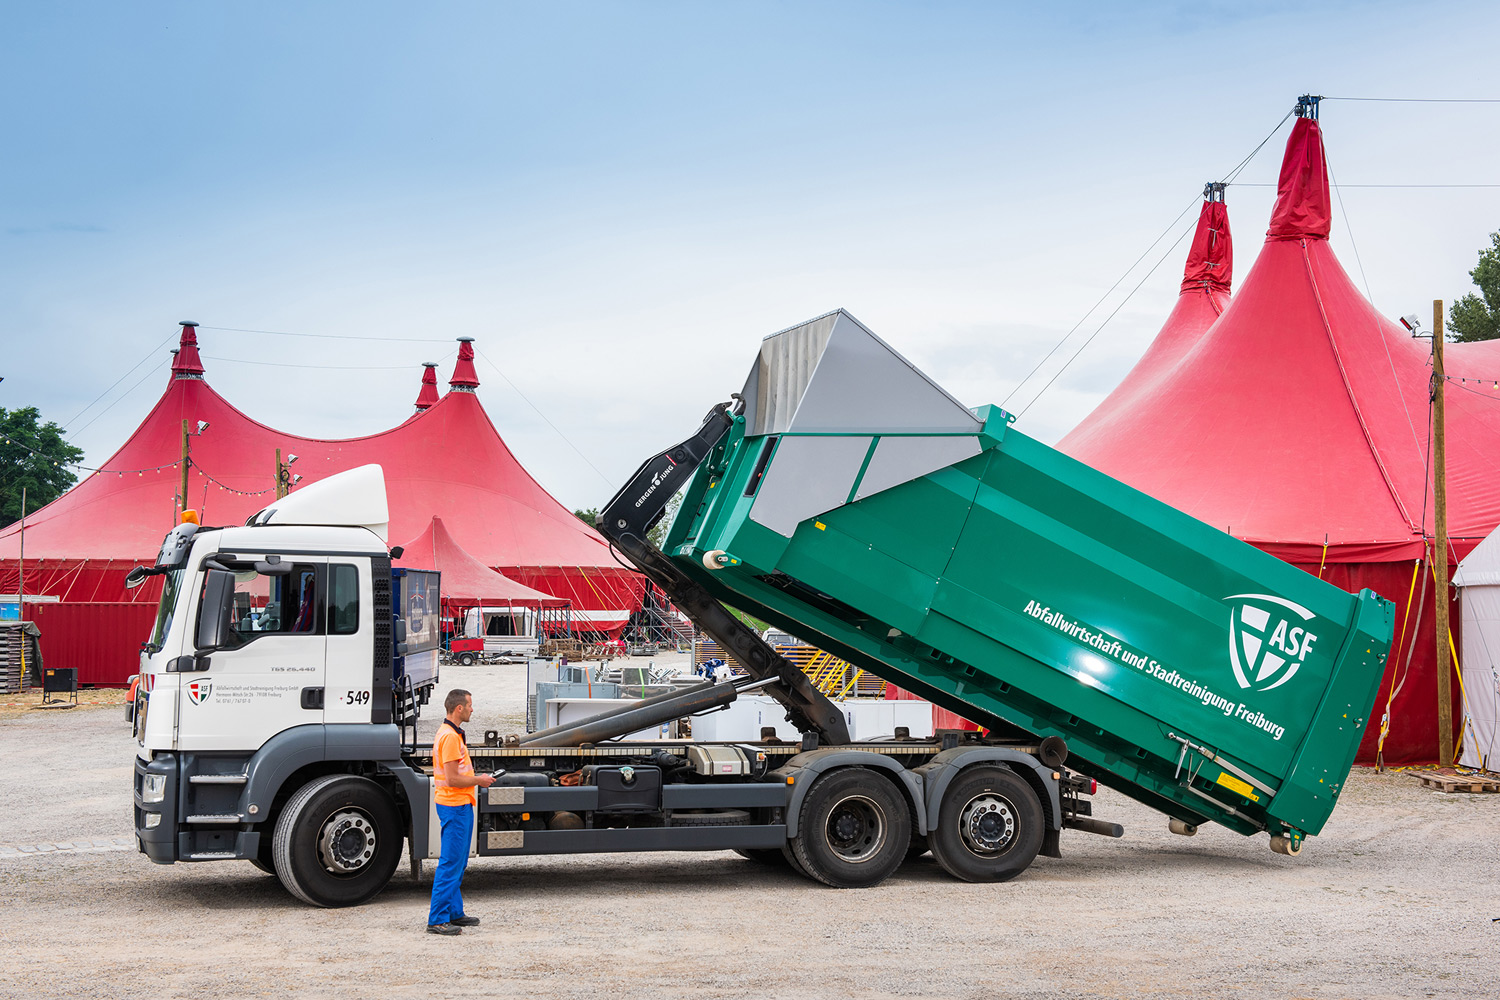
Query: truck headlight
[(154, 788), (153, 820)]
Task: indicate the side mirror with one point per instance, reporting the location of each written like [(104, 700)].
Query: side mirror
[(138, 576), (213, 613)]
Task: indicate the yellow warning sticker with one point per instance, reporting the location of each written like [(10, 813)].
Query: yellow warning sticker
[(1237, 786), (820, 526)]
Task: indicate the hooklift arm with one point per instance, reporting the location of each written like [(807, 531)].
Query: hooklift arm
[(634, 510)]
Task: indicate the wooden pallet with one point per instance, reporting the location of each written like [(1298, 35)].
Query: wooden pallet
[(1459, 782)]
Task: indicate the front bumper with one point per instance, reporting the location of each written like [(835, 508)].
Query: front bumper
[(158, 843)]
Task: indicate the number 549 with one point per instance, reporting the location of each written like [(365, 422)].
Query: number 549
[(356, 697)]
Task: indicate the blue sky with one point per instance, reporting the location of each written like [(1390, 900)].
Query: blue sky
[(619, 200)]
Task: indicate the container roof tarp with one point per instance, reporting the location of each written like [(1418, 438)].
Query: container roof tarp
[(1298, 419), (447, 459), (466, 581)]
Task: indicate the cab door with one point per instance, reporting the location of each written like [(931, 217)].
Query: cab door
[(259, 638)]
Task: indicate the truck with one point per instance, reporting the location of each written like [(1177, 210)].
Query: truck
[(1096, 635)]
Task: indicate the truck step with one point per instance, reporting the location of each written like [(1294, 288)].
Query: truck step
[(215, 818), (218, 779), (213, 856)]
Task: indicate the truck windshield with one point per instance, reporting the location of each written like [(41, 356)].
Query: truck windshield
[(165, 610)]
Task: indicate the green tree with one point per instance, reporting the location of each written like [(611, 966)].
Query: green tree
[(1477, 317), (35, 457), (656, 535)]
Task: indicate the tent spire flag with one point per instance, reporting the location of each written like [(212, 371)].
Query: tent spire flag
[(428, 394), (465, 378), (187, 363)]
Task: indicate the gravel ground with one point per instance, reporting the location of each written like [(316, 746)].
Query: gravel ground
[(1397, 898)]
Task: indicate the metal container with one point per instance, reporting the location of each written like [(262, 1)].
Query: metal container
[(857, 505)]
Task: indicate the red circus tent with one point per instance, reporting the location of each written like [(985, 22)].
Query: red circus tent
[(447, 459), (467, 582), (1298, 422)]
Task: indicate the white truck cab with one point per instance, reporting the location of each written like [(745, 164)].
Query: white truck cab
[(277, 662)]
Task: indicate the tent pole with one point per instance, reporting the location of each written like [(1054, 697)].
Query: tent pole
[(1440, 529)]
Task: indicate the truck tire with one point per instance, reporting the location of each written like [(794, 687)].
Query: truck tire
[(338, 841), (989, 826), (854, 829), (711, 817)]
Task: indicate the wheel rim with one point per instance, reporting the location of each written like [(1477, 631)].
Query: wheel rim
[(987, 824), (856, 829), (346, 844)]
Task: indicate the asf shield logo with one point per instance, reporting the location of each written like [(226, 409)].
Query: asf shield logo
[(1268, 640), (198, 691)]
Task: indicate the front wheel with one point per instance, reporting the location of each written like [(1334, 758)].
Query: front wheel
[(338, 841), (854, 829), (989, 826)]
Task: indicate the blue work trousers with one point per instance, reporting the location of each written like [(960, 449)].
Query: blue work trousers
[(458, 829)]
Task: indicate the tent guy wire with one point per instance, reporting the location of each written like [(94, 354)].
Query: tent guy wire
[(539, 413), (1228, 178)]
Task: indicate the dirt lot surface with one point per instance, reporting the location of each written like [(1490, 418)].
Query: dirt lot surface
[(1397, 898)]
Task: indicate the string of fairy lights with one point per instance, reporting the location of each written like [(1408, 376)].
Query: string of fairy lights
[(140, 473)]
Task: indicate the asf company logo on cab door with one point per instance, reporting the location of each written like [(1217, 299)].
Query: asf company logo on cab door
[(198, 691)]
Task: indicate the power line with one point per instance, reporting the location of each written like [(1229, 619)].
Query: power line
[(1257, 184), (291, 364), (1420, 100), (333, 336)]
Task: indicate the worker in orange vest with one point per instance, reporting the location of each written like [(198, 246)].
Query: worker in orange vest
[(453, 774)]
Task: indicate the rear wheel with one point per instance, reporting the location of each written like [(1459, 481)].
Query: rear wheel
[(338, 841), (854, 829), (989, 826)]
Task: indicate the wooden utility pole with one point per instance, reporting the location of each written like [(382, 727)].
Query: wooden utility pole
[(280, 476), (1440, 542), (183, 506), (21, 579)]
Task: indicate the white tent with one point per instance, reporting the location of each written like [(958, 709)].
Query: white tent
[(1479, 577)]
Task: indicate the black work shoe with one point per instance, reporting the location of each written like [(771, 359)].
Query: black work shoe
[(464, 921), (447, 928)]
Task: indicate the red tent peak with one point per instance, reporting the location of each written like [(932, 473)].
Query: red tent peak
[(1210, 262), (429, 394), (187, 364), (465, 378), (1303, 209)]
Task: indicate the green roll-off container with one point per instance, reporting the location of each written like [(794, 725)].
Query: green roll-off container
[(857, 505)]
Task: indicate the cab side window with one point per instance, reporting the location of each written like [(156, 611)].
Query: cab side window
[(343, 600), (255, 605)]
